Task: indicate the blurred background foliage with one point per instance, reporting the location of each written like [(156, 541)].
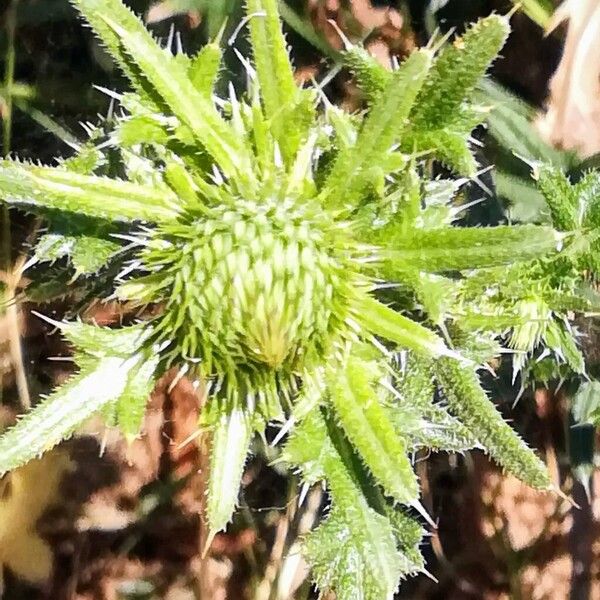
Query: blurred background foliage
[(123, 522)]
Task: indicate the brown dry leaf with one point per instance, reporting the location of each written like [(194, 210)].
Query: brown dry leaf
[(572, 120), (25, 494)]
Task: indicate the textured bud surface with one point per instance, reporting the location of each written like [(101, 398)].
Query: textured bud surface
[(252, 286)]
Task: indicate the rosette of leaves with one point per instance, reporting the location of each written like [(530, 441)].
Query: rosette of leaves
[(297, 264)]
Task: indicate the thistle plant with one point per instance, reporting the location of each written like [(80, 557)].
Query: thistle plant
[(301, 267)]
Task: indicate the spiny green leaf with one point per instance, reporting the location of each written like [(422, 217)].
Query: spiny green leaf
[(372, 77), (434, 293), (588, 195), (102, 341), (172, 83), (354, 551), (416, 382), (345, 127), (368, 428), (58, 416), (459, 248), (586, 403), (416, 417), (182, 183), (526, 203), (361, 546), (564, 345), (230, 444), (307, 446), (442, 119), (381, 128), (111, 199), (292, 124), (274, 70), (131, 404), (142, 129), (204, 68), (95, 12), (439, 430), (560, 196), (510, 123), (529, 330), (471, 405), (387, 323), (457, 70), (273, 67), (449, 147), (52, 246), (90, 254), (409, 536), (87, 160)]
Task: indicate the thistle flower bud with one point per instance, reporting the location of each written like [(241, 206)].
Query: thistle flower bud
[(254, 286)]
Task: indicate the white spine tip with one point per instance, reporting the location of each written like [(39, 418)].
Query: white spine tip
[(423, 512)]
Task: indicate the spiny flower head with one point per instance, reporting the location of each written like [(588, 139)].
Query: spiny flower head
[(262, 285)]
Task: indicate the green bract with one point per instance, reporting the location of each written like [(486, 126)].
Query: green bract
[(292, 254)]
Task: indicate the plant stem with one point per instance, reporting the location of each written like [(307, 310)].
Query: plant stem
[(12, 312), (9, 77)]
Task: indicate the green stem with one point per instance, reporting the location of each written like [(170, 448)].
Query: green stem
[(9, 78), (12, 312)]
